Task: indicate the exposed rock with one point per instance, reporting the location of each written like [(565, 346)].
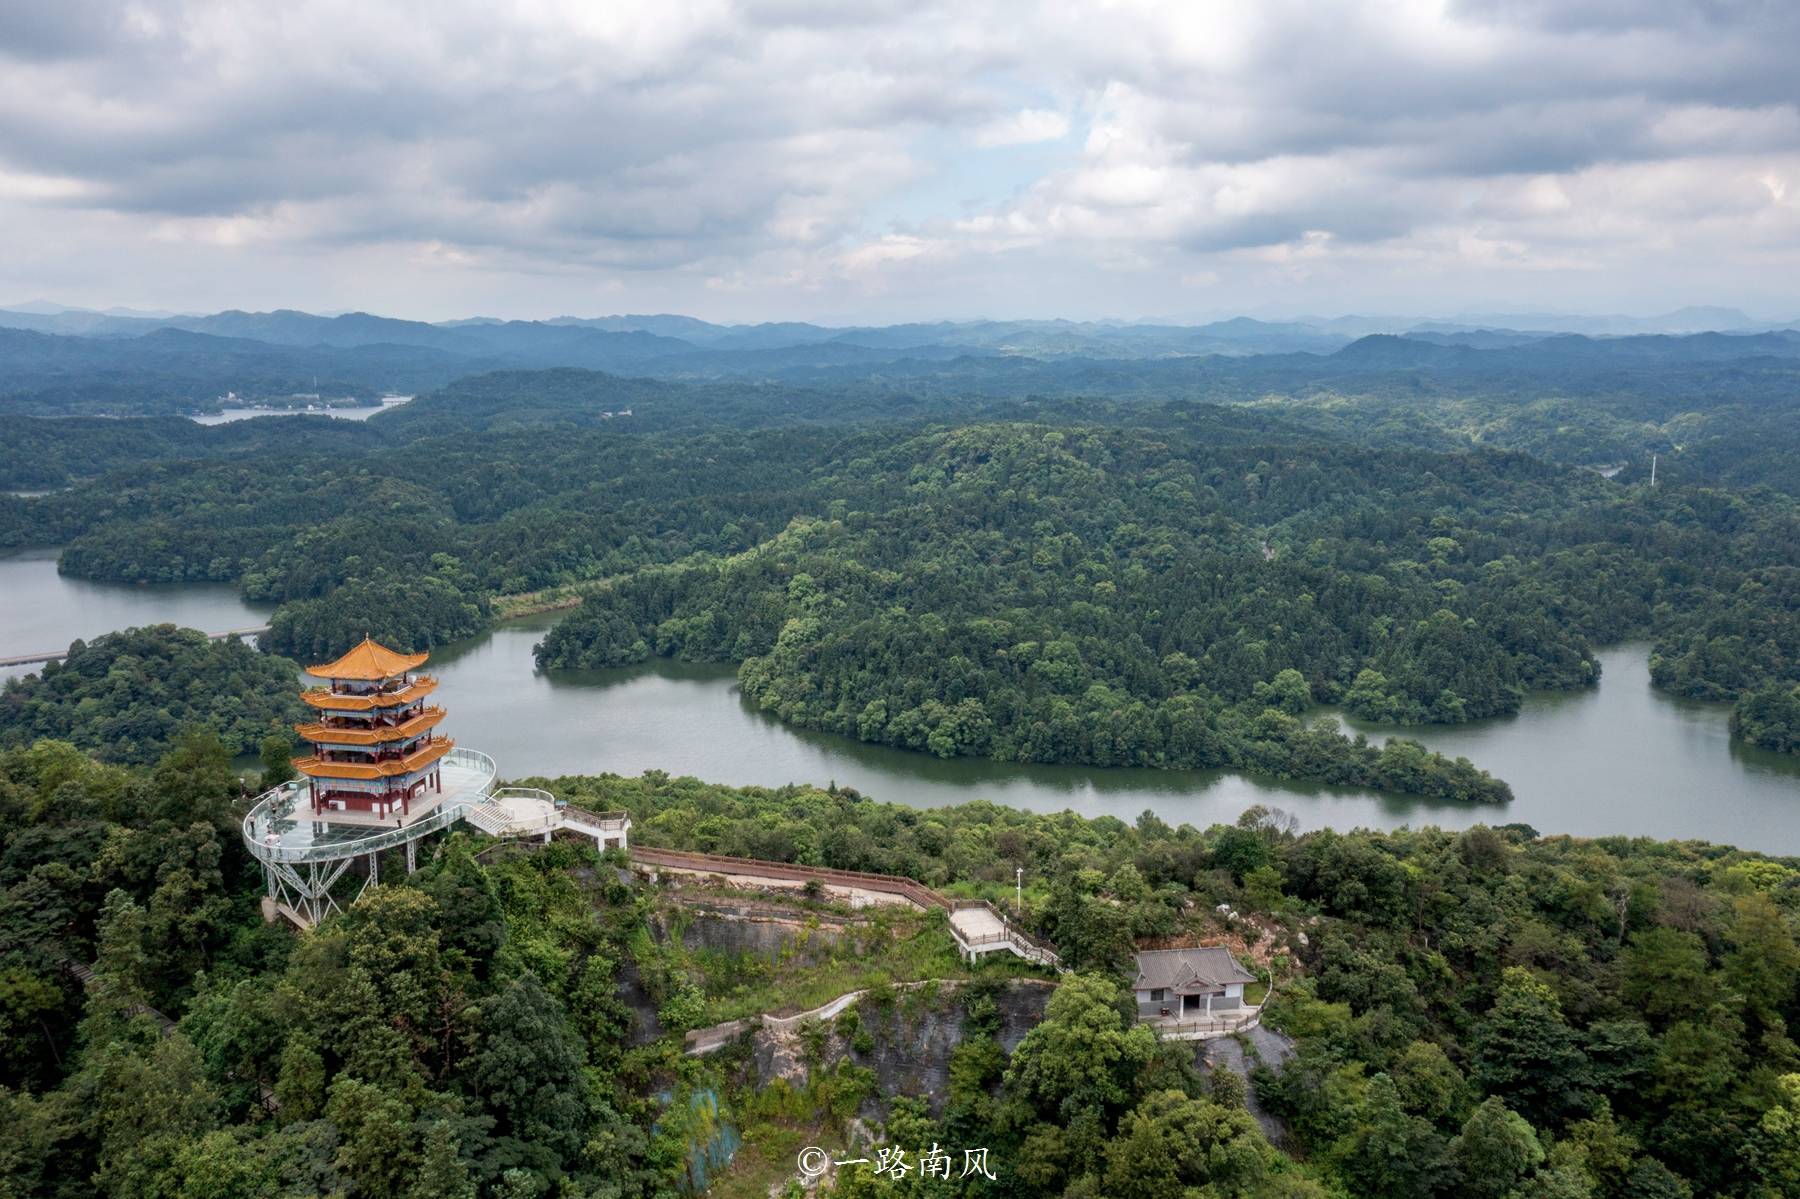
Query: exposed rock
[(645, 1027), (1265, 1047), (803, 939), (913, 1037)]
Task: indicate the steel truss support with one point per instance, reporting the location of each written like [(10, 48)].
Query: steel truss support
[(306, 891)]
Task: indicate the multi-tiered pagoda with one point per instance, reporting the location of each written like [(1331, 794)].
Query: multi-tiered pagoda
[(375, 755)]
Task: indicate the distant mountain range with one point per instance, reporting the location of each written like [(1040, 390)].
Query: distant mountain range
[(57, 361)]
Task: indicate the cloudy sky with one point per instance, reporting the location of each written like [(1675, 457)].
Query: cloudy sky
[(849, 160)]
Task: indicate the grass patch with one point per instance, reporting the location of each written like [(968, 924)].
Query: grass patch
[(892, 949), (1255, 993)]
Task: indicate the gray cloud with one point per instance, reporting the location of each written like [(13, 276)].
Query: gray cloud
[(794, 157)]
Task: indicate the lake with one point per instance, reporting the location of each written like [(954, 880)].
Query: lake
[(41, 610), (1619, 758), (226, 416)]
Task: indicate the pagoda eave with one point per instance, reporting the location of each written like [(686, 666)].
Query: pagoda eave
[(344, 701), (324, 734), (320, 769), (368, 663)]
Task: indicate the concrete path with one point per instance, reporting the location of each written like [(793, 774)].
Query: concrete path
[(977, 924), (702, 1041)]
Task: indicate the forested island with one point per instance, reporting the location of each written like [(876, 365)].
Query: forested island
[(1047, 580)]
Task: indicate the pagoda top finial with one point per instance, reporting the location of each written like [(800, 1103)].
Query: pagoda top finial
[(368, 662)]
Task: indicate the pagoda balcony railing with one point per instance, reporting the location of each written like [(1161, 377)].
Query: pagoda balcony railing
[(385, 687), (281, 802), (375, 733), (348, 701), (385, 766)]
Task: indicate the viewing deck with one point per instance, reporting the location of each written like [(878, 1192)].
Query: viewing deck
[(280, 829)]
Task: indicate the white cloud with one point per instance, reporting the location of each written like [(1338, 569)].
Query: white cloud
[(1022, 128), (748, 158)]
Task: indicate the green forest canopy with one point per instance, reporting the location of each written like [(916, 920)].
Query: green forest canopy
[(1058, 590), (1482, 1012), (128, 696)]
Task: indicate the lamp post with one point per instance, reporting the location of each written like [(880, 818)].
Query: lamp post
[(1018, 889)]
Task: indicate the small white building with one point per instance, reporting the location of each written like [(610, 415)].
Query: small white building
[(1188, 983)]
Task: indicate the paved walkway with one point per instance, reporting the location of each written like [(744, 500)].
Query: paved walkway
[(978, 927), (858, 886), (702, 1041), (978, 924), (1268, 1048)]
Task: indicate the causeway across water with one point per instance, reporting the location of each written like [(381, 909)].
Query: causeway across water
[(59, 654)]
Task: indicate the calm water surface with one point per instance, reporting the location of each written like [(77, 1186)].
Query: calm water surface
[(363, 412), (41, 610), (1621, 758)]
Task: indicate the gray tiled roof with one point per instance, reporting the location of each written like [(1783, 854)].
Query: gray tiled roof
[(1179, 969)]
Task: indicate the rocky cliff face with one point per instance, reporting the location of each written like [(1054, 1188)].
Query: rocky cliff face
[(909, 1042), (775, 935)]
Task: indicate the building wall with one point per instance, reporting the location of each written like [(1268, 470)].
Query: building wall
[(1151, 1009)]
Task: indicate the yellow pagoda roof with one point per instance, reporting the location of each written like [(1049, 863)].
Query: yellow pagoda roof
[(324, 697), (425, 755), (368, 662), (319, 733)]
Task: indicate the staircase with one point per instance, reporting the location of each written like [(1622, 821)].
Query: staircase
[(980, 927), (489, 817)]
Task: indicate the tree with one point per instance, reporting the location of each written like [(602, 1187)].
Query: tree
[(442, 1173), (194, 782), (1495, 1152), (300, 1079), (1526, 1054), (1664, 973), (1390, 1153), (221, 1166), (28, 1004), (378, 1148), (471, 920), (528, 1072), (1431, 1086), (147, 1102), (1085, 1054), (1171, 1141), (277, 754), (1763, 962), (122, 960), (1778, 1141)]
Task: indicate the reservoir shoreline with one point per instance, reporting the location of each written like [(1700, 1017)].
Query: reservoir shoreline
[(1619, 759)]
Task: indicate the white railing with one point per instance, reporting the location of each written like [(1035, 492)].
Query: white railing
[(600, 822), (1218, 1023), (279, 803), (1022, 943)]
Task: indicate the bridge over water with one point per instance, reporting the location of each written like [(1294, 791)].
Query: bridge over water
[(57, 655)]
